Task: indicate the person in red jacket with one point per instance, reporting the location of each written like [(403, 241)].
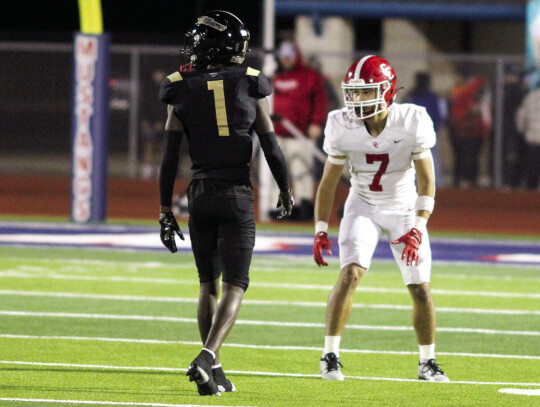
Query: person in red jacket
[(470, 124), (300, 98)]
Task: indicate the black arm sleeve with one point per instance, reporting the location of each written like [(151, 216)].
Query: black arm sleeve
[(169, 166), (275, 159)]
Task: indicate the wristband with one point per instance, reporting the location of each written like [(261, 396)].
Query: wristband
[(425, 203), (420, 223), (321, 226), (336, 160), (422, 154)]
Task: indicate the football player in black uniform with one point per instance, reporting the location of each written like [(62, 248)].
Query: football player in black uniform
[(218, 104)]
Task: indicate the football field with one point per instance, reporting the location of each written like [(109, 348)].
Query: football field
[(85, 326)]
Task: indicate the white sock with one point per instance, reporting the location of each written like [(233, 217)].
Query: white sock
[(331, 344), (426, 352), (216, 366), (212, 353)]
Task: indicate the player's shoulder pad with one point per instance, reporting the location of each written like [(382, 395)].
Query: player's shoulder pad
[(166, 89), (410, 115), (335, 123), (260, 84), (252, 72), (410, 110), (340, 119)]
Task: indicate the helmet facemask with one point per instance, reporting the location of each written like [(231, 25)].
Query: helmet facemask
[(217, 38), (358, 109)]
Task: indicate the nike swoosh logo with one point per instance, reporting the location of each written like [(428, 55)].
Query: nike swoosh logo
[(397, 141)]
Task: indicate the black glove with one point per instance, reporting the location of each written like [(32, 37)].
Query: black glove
[(168, 227), (285, 203)]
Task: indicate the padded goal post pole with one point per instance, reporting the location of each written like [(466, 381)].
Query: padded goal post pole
[(265, 199), (90, 116)]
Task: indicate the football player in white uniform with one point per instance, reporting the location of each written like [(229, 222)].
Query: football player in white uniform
[(387, 146)]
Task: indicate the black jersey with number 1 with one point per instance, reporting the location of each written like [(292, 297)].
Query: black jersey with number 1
[(217, 108)]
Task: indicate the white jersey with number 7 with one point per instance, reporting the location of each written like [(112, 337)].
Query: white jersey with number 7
[(382, 171)]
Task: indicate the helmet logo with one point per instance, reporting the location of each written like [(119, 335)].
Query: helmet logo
[(386, 70), (210, 22)]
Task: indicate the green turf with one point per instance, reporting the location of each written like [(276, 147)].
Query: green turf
[(294, 290)]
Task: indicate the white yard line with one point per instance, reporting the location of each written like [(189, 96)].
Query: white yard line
[(257, 323), (265, 347), (242, 372), (282, 286), (256, 302), (269, 264), (521, 392), (104, 403)]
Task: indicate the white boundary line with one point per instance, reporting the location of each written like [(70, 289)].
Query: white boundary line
[(243, 372), (265, 347), (256, 302), (314, 287), (257, 323), (105, 403), (521, 392)]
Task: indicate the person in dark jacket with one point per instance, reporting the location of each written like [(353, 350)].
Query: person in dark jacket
[(422, 95)]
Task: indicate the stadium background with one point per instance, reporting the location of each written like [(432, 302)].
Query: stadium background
[(102, 314), (36, 87)]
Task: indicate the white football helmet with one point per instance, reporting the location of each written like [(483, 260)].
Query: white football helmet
[(369, 72)]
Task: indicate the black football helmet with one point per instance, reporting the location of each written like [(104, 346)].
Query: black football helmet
[(218, 37)]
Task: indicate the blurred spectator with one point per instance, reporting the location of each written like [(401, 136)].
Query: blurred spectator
[(422, 95), (299, 97), (513, 141), (152, 125), (469, 125), (528, 123)]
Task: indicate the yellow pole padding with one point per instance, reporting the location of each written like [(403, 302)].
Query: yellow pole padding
[(91, 16)]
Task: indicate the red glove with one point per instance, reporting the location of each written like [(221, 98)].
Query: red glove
[(321, 242), (412, 241)]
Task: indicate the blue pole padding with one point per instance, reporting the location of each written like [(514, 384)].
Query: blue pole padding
[(90, 127)]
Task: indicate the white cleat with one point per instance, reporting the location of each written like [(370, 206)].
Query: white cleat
[(331, 367), (431, 372)]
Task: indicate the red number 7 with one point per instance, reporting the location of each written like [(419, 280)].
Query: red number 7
[(384, 159)]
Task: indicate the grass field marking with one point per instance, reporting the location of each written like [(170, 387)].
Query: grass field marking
[(93, 262), (98, 296), (264, 347), (256, 373), (299, 286), (117, 263), (106, 403), (56, 276), (258, 302), (259, 323), (269, 264), (521, 392)]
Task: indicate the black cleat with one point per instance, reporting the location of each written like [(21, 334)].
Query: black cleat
[(200, 372), (224, 384)]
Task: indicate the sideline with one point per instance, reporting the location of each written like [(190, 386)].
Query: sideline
[(115, 237)]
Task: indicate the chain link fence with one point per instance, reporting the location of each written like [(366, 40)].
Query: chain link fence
[(36, 81)]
